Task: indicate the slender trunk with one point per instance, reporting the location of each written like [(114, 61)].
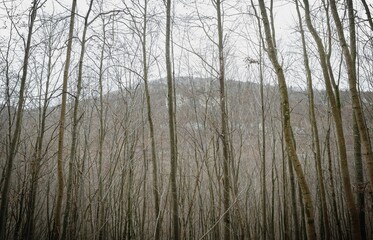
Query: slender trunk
[(273, 184), (315, 133), (294, 210), (171, 122), (102, 133), (339, 127), (224, 127), (60, 188), (332, 187), (359, 178), (303, 232), (129, 215), (74, 133), (144, 216), (286, 226), (350, 60), (306, 194), (263, 177), (151, 128), (18, 126), (28, 232)]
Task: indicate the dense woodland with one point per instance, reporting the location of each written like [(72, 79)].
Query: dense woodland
[(176, 119)]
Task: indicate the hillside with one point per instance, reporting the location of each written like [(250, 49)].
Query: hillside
[(114, 157)]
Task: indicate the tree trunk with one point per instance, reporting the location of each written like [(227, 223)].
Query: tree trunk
[(332, 187), (74, 132), (338, 124), (151, 128), (28, 231), (263, 172), (294, 209), (101, 140), (315, 133), (224, 127), (171, 122), (60, 188), (18, 126), (359, 178), (350, 60), (273, 230), (306, 194)]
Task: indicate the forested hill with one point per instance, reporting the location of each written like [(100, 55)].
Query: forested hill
[(113, 155), (186, 120)]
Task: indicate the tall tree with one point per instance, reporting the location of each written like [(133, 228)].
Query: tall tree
[(337, 116), (171, 122), (60, 175), (100, 107), (18, 124), (349, 54), (224, 125), (315, 131), (289, 139), (44, 100), (263, 133), (142, 32), (150, 121), (74, 131)]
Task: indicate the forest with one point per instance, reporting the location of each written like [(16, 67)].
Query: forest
[(186, 119)]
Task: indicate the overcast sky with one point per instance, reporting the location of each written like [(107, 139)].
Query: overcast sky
[(240, 34)]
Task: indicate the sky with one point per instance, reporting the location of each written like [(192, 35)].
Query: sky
[(191, 36)]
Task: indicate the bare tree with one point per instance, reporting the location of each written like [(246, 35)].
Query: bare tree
[(171, 122), (315, 132), (18, 124), (349, 54), (333, 99), (224, 125), (40, 147), (289, 139), (142, 31), (60, 189), (74, 132), (225, 147)]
